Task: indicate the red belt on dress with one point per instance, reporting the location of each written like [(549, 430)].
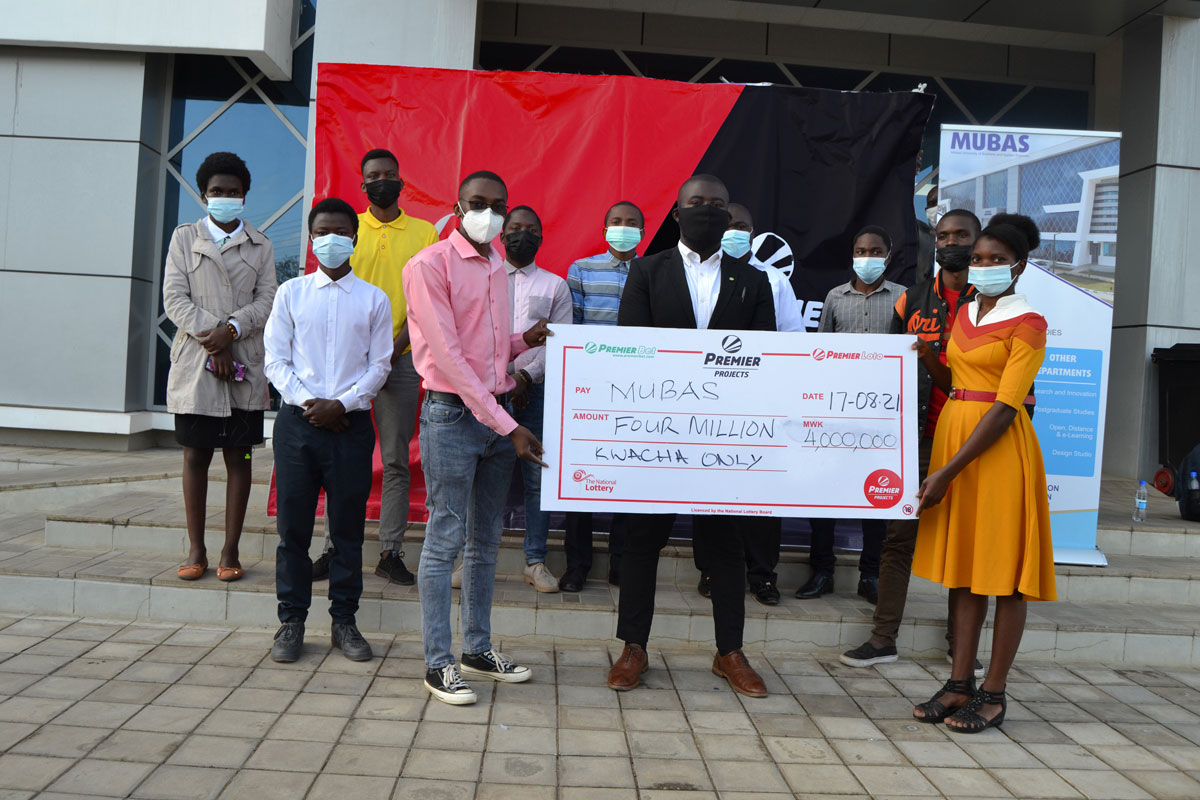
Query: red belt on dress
[(984, 397)]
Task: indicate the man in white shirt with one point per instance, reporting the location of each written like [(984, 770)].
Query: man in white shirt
[(328, 350)]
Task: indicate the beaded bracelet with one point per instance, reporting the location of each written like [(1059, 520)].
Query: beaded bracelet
[(232, 328)]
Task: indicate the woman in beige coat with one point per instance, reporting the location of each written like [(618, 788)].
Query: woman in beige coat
[(218, 288)]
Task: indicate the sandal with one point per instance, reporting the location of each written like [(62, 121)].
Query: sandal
[(228, 574), (969, 718), (192, 572), (934, 710)]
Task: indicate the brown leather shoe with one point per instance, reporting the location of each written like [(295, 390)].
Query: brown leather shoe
[(741, 676), (626, 674)]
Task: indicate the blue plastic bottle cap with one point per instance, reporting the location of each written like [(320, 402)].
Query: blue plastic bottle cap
[(1143, 483)]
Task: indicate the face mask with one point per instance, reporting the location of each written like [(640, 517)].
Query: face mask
[(953, 258), (225, 209), (332, 250), (991, 281), (481, 226), (736, 243), (384, 192), (522, 246), (703, 226), (622, 237), (870, 268)]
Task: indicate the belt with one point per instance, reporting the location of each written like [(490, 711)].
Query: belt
[(984, 397), (455, 400)]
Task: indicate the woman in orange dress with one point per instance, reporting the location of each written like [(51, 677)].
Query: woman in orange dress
[(985, 517)]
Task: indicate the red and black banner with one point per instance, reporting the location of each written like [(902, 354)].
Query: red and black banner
[(812, 165)]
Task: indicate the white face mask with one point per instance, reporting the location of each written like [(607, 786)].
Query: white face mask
[(991, 281), (481, 226)]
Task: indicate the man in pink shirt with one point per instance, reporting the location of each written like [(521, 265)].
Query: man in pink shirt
[(459, 318)]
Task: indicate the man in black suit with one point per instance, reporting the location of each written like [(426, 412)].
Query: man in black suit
[(692, 285)]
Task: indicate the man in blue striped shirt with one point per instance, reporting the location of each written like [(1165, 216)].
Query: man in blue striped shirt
[(596, 283)]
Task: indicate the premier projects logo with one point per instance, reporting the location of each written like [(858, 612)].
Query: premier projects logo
[(620, 351)]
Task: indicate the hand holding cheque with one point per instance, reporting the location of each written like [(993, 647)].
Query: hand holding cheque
[(720, 422)]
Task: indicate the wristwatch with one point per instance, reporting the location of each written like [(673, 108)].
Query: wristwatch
[(524, 374)]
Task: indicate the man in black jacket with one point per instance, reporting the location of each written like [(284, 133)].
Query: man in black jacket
[(691, 286)]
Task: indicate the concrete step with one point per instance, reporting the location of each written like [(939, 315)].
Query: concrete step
[(154, 522), (142, 585)]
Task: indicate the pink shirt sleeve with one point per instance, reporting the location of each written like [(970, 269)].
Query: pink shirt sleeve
[(429, 307)]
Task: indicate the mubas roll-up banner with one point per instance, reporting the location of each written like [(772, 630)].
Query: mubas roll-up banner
[(1067, 182), (813, 166)]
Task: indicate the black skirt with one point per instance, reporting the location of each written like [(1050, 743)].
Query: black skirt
[(239, 429)]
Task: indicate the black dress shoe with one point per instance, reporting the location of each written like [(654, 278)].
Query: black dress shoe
[(820, 583), (766, 593), (868, 589), (571, 581), (704, 587)]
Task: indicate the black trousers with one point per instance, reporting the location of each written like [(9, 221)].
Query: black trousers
[(577, 541), (648, 533), (761, 538), (821, 556), (308, 459)]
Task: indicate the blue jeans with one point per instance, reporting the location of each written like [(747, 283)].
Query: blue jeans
[(537, 522), (467, 467)]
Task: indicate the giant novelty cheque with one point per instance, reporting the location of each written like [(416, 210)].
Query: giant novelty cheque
[(658, 420)]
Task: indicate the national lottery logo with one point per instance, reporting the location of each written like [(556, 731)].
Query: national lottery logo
[(590, 347), (818, 354), (883, 488), (580, 475), (731, 344)]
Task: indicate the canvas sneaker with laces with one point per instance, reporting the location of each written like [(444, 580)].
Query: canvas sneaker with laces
[(495, 665), (541, 578), (447, 685)]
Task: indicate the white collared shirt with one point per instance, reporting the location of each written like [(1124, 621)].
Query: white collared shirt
[(788, 314), (704, 282), (1007, 307), (329, 340), (220, 237)]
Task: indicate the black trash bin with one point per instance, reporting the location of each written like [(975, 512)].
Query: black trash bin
[(1178, 407)]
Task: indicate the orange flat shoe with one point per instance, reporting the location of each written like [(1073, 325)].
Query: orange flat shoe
[(228, 574), (191, 572)]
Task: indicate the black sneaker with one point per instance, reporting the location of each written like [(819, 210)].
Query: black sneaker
[(351, 642), (391, 566), (448, 686), (321, 566), (495, 665), (978, 664), (868, 655), (766, 593), (289, 641), (704, 587)]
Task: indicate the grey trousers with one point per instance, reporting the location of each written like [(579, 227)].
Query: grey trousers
[(396, 410)]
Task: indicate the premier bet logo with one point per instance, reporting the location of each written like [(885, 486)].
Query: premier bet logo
[(590, 347)]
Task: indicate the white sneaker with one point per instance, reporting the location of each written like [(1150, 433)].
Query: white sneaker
[(456, 576), (541, 578)]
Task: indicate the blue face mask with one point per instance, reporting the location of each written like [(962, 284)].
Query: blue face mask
[(332, 250), (736, 243), (869, 269), (622, 237), (991, 281), (225, 209)]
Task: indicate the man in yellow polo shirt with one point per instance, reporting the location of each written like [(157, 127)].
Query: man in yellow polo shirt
[(387, 239)]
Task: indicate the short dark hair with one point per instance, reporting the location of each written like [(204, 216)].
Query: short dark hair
[(629, 203), (222, 164), (378, 152), (703, 176), (878, 231), (333, 205), (482, 173), (962, 212), (1016, 231), (512, 211)]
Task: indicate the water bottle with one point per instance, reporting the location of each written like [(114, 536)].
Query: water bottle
[(1139, 502)]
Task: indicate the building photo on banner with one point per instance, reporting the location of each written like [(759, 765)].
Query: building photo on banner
[(1066, 181)]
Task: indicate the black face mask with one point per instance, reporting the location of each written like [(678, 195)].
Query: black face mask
[(522, 245), (384, 192), (953, 258), (703, 226)]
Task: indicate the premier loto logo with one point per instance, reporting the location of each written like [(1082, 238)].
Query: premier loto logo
[(883, 488), (590, 347), (818, 354)]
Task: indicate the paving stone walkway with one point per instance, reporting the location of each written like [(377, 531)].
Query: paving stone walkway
[(109, 709)]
